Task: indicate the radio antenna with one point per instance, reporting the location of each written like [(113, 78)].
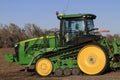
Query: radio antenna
[(67, 6)]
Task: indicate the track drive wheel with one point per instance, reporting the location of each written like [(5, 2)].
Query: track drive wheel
[(43, 67), (58, 72), (92, 59), (67, 72)]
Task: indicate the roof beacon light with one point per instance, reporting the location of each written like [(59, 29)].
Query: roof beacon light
[(57, 13)]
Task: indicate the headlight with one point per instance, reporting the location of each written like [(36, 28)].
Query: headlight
[(16, 45)]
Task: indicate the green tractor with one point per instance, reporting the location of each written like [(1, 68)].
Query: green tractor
[(78, 46)]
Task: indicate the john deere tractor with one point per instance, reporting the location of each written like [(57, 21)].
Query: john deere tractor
[(77, 47)]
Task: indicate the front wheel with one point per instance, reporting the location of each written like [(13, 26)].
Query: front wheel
[(44, 67), (92, 59)]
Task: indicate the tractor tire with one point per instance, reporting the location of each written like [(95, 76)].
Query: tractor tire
[(75, 71), (58, 72), (67, 72), (43, 67), (93, 59)]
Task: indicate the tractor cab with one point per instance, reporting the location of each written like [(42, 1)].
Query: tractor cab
[(76, 28)]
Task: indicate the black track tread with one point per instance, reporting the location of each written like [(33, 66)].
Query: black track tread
[(64, 50)]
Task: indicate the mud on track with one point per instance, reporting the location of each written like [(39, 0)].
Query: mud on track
[(11, 71)]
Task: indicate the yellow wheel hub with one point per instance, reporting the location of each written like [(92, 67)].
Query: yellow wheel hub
[(91, 59), (44, 67)]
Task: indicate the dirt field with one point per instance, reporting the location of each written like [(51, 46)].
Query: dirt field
[(11, 71)]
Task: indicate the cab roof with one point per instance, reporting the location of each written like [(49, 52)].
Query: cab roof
[(71, 16)]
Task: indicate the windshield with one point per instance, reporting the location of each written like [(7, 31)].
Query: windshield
[(72, 28), (74, 25), (90, 24)]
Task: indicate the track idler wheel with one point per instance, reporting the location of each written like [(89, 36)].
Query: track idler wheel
[(92, 59), (67, 72), (58, 72), (44, 67)]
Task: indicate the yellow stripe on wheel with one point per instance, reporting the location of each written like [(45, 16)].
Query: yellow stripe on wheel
[(91, 59), (44, 67)]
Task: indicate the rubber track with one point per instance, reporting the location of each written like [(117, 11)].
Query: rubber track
[(65, 50)]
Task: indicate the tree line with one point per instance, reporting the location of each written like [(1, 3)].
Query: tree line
[(10, 34)]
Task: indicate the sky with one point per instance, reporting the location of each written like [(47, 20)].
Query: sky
[(42, 12)]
